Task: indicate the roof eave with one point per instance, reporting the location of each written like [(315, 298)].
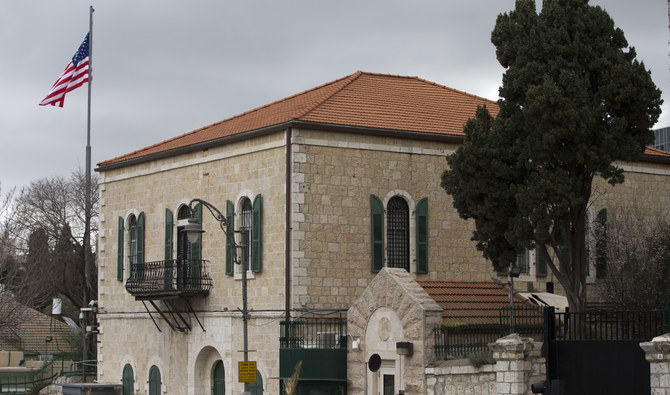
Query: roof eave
[(655, 158), (194, 147), (437, 137)]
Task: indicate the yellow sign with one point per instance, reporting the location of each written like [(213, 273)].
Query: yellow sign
[(247, 371)]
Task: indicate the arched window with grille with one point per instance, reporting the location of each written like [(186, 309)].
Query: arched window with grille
[(395, 236), (397, 233)]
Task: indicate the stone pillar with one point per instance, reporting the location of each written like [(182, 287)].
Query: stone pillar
[(657, 352), (514, 357)]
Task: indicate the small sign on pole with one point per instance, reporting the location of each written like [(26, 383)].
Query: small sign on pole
[(247, 371)]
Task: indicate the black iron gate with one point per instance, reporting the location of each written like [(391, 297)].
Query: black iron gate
[(599, 352)]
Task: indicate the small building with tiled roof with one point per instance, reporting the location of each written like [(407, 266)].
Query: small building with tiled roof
[(470, 302), (330, 185), (36, 333)]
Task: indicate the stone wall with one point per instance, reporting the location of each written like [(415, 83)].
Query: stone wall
[(518, 365), (657, 352), (459, 377), (185, 359)]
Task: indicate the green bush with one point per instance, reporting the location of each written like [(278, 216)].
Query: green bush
[(479, 358)]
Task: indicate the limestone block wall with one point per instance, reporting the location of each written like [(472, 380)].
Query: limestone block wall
[(334, 176), (459, 377), (185, 359), (215, 175)]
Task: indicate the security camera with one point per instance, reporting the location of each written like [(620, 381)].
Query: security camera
[(93, 303)]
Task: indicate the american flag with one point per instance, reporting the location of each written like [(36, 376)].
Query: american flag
[(74, 76)]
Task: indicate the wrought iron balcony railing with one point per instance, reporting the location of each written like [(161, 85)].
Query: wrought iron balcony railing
[(314, 333), (180, 277)]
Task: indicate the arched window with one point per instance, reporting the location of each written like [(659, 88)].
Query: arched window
[(218, 379), (391, 233), (397, 233), (128, 380), (251, 218), (154, 381)]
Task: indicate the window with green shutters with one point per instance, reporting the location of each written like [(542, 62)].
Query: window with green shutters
[(541, 259), (230, 229), (422, 236), (390, 226), (119, 250), (377, 232), (256, 234)]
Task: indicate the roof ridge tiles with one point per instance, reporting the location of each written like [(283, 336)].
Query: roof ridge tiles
[(351, 78)]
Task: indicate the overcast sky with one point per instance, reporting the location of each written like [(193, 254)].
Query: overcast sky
[(163, 68)]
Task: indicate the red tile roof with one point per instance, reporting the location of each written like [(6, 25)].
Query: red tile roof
[(29, 335), (656, 152), (360, 100), (473, 302)]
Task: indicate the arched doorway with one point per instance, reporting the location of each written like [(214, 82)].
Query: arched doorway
[(218, 379)]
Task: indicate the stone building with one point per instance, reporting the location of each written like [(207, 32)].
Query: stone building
[(334, 184)]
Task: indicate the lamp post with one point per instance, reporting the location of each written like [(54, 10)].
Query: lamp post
[(193, 230), (514, 271)]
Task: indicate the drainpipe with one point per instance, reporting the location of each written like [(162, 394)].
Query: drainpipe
[(287, 258)]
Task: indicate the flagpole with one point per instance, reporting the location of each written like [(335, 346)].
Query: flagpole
[(87, 193), (87, 231)]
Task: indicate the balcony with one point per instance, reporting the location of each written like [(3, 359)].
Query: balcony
[(173, 278)]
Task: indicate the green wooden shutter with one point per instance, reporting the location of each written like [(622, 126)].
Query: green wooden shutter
[(422, 236), (219, 387), (564, 247), (256, 234), (140, 244), (128, 381), (601, 244), (230, 219), (169, 228), (541, 259), (196, 253), (119, 251), (377, 232), (154, 381)]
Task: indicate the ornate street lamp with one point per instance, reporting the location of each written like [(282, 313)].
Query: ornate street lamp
[(193, 230)]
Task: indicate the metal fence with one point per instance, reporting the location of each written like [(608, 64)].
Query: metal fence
[(31, 381), (612, 325), (314, 333), (462, 339)]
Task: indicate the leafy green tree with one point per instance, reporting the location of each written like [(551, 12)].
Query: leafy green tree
[(574, 100)]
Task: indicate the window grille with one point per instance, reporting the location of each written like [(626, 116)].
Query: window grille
[(183, 245), (523, 261), (397, 232)]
